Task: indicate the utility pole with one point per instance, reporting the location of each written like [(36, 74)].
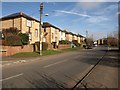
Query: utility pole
[(40, 29), (86, 37)]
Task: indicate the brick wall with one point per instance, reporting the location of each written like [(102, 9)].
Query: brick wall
[(64, 46), (10, 50)]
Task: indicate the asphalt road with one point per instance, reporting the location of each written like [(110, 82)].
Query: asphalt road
[(57, 71)]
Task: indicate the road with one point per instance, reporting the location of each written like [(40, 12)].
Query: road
[(57, 71)]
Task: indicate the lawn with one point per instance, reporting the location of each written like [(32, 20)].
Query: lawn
[(44, 53)]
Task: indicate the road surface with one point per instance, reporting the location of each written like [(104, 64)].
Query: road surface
[(56, 71)]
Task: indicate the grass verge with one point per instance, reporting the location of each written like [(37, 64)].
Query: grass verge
[(44, 53)]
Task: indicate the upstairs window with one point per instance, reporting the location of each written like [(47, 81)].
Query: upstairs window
[(44, 29), (36, 32)]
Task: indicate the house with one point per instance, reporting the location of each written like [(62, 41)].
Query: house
[(82, 40), (54, 35), (74, 37), (62, 35), (68, 35), (24, 23), (78, 38)]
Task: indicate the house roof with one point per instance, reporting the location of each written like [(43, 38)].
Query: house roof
[(16, 15), (46, 24)]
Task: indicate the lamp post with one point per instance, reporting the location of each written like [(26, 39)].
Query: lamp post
[(40, 35)]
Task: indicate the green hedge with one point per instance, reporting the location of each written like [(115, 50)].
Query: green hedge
[(24, 38), (64, 42), (76, 43), (13, 41)]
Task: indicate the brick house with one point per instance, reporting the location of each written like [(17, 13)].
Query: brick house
[(68, 35), (24, 23), (54, 35), (74, 37)]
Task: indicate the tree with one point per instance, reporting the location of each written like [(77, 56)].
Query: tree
[(112, 39), (89, 41)]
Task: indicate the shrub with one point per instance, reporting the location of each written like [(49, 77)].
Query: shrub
[(64, 42), (13, 37), (13, 41), (24, 38), (76, 43)]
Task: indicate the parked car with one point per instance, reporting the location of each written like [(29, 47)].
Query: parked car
[(72, 44), (89, 47)]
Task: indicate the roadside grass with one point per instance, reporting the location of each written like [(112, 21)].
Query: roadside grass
[(44, 53), (35, 54), (71, 49)]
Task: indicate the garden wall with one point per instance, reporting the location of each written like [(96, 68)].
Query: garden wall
[(64, 46), (10, 50)]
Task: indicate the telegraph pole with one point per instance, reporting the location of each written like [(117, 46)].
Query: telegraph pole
[(40, 29), (86, 37)]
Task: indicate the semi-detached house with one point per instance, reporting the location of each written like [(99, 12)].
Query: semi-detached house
[(25, 24), (55, 35)]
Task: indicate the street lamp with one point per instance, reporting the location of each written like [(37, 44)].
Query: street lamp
[(40, 35)]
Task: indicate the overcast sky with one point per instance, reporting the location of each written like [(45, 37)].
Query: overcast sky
[(98, 18)]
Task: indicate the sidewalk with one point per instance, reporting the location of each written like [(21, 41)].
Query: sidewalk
[(105, 75)]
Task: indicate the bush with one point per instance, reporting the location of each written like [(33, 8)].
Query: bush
[(84, 46), (64, 42), (76, 43), (44, 46), (24, 38), (12, 41)]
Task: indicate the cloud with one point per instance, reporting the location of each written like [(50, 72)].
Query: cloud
[(74, 13), (88, 5), (97, 19)]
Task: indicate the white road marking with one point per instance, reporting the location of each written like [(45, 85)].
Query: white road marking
[(12, 77), (54, 63)]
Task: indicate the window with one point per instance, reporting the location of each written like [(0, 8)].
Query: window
[(36, 32), (30, 36), (44, 29), (56, 31), (28, 23), (61, 33), (55, 39), (52, 35)]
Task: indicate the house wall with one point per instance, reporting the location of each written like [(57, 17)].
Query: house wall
[(33, 28), (78, 38), (11, 23), (74, 37), (62, 36), (69, 37)]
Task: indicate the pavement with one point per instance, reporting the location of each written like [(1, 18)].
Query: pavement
[(60, 71), (105, 74)]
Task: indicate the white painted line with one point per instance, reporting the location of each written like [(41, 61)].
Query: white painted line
[(54, 64), (12, 77)]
